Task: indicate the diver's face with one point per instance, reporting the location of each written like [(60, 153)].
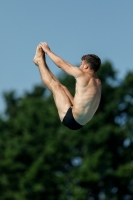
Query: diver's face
[(83, 64)]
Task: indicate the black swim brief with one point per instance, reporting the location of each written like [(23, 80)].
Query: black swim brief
[(70, 122)]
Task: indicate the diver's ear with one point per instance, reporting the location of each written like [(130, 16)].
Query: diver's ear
[(86, 66)]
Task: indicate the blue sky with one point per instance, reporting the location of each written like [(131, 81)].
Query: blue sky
[(72, 28)]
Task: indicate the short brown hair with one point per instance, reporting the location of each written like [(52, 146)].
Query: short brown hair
[(93, 60)]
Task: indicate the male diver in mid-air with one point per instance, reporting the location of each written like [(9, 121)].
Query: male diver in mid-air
[(74, 112)]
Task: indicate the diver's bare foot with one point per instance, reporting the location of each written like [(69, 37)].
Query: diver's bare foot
[(38, 55)]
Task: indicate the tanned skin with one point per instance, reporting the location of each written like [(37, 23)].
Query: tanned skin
[(87, 91)]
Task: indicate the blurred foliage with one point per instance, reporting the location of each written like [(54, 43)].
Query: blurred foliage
[(41, 159)]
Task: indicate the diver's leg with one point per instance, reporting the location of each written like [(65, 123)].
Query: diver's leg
[(60, 94)]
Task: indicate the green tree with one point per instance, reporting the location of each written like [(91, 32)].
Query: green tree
[(42, 159)]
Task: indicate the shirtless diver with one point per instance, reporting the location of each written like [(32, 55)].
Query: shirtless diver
[(74, 112)]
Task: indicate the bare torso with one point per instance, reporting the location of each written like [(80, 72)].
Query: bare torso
[(87, 98), (88, 86)]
